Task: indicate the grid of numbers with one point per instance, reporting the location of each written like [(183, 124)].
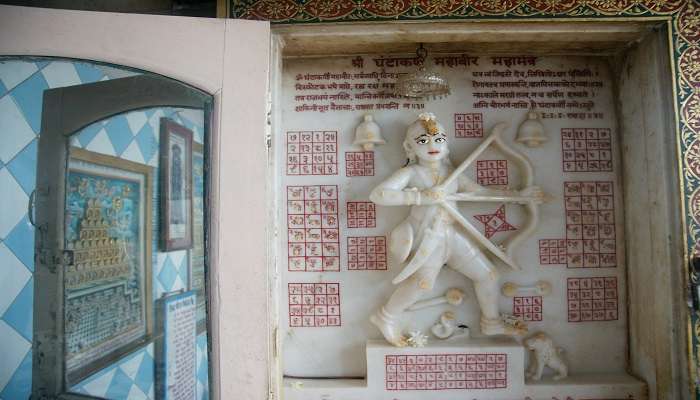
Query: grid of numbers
[(492, 172), (313, 233), (367, 253), (586, 149), (312, 153), (361, 214), (590, 224), (552, 251), (314, 304), (359, 163), (446, 371), (469, 125), (592, 299), (529, 308)]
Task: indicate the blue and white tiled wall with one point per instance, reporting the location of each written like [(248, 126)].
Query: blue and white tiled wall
[(133, 136)]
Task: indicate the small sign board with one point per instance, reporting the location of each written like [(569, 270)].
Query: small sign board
[(176, 351)]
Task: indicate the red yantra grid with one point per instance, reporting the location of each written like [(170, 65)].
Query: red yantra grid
[(529, 308), (586, 149), (446, 371), (361, 214), (592, 299), (359, 163), (552, 251), (492, 172), (314, 304), (469, 125), (312, 153), (366, 252), (590, 224), (313, 234)]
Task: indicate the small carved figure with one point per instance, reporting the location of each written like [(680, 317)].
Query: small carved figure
[(444, 328), (544, 353)]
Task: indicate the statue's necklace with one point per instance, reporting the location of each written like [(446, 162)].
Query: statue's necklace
[(435, 171)]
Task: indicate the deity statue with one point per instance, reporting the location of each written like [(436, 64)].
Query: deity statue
[(435, 234)]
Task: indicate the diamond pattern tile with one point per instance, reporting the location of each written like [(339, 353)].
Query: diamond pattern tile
[(131, 366), (60, 74), (12, 73), (17, 316), (119, 133), (14, 277), (88, 133), (136, 394), (147, 142), (23, 167), (145, 373), (29, 96), (136, 120), (20, 384), (16, 133), (20, 241), (119, 386), (168, 275), (14, 203), (202, 368), (13, 348), (88, 72), (133, 153), (102, 144), (98, 384)]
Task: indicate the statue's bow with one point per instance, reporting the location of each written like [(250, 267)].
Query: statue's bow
[(505, 251)]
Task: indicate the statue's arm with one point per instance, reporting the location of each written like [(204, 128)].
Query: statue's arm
[(393, 192)]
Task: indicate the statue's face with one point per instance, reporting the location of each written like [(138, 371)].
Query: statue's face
[(429, 148)]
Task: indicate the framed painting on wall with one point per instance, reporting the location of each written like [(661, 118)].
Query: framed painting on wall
[(107, 279), (176, 208)]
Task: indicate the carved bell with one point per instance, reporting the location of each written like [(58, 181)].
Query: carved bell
[(531, 131), (368, 134)]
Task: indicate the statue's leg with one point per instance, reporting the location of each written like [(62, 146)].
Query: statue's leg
[(387, 318), (470, 261)]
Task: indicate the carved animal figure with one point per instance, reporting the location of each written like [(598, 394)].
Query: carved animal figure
[(544, 353)]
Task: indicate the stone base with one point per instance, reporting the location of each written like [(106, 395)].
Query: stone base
[(477, 369)]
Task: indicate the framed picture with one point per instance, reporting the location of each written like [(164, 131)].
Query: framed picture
[(175, 186), (107, 279)]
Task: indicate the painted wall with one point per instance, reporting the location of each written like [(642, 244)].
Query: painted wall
[(132, 136)]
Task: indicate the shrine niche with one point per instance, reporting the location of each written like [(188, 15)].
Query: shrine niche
[(479, 233)]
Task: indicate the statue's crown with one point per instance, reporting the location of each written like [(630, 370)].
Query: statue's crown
[(429, 123)]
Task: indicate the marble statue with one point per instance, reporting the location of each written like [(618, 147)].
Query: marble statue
[(435, 233)]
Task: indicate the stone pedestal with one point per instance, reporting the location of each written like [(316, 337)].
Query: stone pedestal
[(474, 369), (490, 368)]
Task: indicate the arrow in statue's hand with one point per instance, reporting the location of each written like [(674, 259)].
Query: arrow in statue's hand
[(503, 252)]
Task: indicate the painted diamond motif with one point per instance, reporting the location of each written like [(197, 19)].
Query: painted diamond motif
[(16, 132), (14, 203), (12, 73), (496, 222)]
